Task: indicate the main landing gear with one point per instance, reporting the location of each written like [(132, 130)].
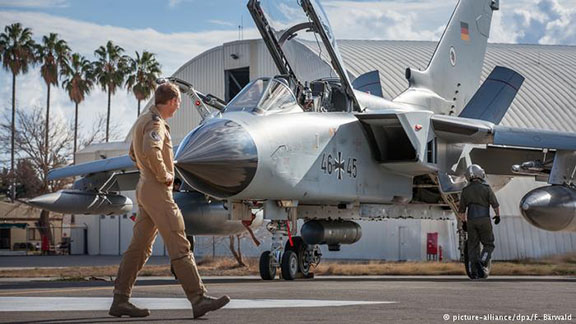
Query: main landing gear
[(295, 260)]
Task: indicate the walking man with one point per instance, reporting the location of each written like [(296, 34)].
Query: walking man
[(151, 150), (474, 211)]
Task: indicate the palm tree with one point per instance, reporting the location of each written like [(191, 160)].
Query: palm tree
[(17, 51), (78, 83), (53, 54), (110, 71), (143, 72)]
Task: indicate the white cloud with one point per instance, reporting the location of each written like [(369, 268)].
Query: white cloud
[(390, 20), (172, 50), (517, 21), (173, 3), (34, 3), (176, 3), (221, 22), (552, 23)]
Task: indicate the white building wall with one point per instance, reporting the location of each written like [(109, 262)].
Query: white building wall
[(381, 240)]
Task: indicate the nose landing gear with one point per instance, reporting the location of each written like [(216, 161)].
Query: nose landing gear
[(295, 260)]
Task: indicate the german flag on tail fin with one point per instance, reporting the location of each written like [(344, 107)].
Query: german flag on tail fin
[(464, 31)]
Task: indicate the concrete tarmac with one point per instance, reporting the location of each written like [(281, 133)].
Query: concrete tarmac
[(374, 299)]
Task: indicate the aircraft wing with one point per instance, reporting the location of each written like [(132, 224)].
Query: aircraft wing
[(121, 163), (511, 151), (473, 131)]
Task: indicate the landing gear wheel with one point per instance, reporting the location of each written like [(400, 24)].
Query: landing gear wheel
[(300, 247), (267, 269), (289, 265)]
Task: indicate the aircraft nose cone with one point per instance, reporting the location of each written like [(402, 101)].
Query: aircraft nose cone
[(218, 158)]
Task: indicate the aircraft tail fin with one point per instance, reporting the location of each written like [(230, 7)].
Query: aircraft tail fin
[(453, 74), (492, 100), (369, 82)]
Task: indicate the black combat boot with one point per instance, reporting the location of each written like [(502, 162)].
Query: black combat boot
[(204, 304), (121, 306)]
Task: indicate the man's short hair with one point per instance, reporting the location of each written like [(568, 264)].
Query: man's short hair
[(165, 92)]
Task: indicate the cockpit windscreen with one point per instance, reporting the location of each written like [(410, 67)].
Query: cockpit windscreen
[(299, 42), (264, 95)]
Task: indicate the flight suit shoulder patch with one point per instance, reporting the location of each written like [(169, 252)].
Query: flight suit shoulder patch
[(155, 136)]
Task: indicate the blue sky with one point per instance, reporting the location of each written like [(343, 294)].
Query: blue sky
[(162, 15), (178, 30)]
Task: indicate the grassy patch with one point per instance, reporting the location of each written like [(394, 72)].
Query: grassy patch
[(561, 266)]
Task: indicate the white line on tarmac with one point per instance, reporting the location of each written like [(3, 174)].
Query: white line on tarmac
[(44, 304)]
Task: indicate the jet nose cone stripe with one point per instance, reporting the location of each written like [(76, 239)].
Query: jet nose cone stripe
[(218, 158)]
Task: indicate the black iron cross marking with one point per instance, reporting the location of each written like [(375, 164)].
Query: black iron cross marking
[(339, 166)]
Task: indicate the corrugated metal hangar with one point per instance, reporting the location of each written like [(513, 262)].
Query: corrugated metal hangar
[(546, 101)]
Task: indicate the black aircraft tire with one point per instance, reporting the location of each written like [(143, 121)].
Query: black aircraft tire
[(267, 271), (289, 265), (300, 249)]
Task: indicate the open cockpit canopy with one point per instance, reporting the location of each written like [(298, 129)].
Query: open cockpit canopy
[(298, 31)]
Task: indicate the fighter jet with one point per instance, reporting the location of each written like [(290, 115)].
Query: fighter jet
[(314, 145)]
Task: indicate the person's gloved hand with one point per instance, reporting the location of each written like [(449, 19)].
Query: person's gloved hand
[(496, 220), (464, 227)]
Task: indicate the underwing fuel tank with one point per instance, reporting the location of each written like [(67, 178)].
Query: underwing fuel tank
[(331, 233), (551, 208), (82, 202), (203, 217)]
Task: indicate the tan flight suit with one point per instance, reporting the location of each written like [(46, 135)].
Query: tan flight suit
[(151, 149)]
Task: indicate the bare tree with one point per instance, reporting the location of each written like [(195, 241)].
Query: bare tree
[(236, 252), (97, 132), (29, 184), (30, 146), (30, 143)]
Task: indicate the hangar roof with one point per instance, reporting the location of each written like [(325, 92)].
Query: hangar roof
[(546, 100)]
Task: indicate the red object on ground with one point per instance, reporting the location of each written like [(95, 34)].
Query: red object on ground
[(45, 244), (432, 243)]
